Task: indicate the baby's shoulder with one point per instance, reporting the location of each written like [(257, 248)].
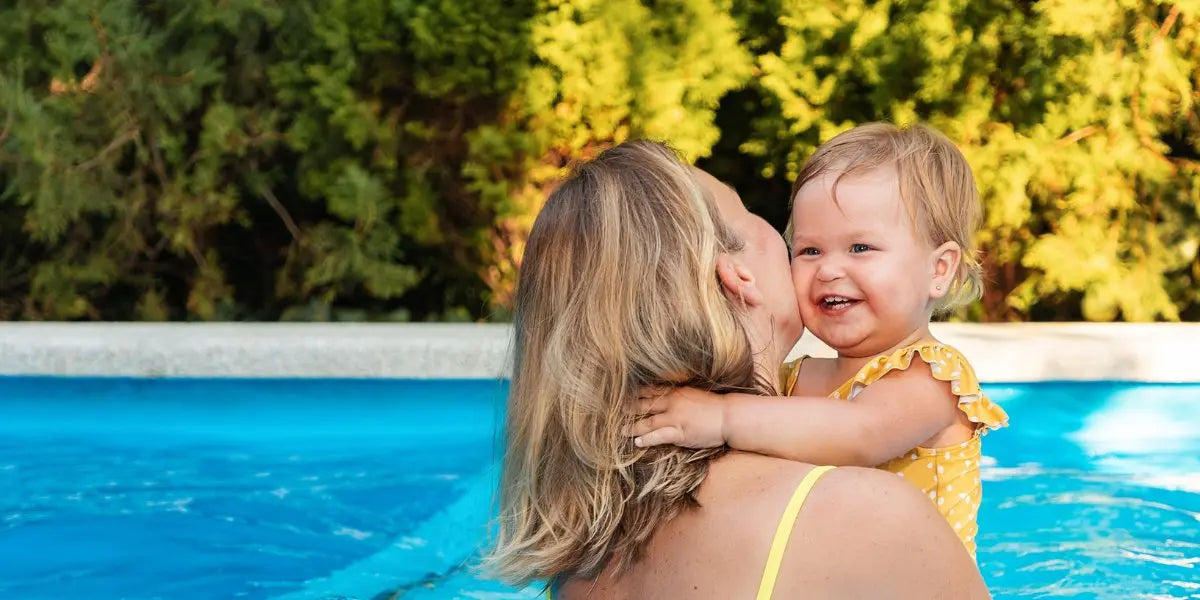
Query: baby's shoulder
[(930, 357), (810, 376), (944, 369)]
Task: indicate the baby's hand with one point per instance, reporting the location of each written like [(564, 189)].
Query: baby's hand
[(686, 417)]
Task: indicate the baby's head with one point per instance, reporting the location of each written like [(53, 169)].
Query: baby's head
[(881, 230)]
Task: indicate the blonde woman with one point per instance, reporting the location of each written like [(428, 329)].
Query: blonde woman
[(618, 293)]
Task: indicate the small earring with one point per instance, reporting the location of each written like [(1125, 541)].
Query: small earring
[(937, 287)]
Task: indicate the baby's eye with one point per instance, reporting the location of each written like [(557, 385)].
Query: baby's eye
[(857, 248), (809, 251)]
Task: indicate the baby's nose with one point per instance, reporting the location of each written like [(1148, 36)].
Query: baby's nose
[(829, 269)]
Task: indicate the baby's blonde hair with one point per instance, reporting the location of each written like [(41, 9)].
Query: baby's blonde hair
[(936, 186), (617, 291)]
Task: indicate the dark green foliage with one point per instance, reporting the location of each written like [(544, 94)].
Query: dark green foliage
[(383, 159)]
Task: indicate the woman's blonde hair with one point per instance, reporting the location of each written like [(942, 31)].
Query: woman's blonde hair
[(936, 186), (617, 291)]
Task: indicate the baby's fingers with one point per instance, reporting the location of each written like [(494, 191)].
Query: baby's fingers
[(650, 405), (646, 425), (658, 437)]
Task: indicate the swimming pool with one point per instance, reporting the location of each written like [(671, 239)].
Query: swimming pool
[(189, 489)]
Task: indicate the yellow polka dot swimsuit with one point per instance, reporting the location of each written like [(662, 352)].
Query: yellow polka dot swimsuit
[(950, 475)]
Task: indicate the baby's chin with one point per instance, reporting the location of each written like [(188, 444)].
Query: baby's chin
[(846, 340)]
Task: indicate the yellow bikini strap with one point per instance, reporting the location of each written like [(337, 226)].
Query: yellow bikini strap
[(783, 533)]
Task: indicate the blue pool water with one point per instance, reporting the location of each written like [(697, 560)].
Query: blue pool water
[(200, 489)]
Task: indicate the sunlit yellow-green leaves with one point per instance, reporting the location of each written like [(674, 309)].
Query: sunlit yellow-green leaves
[(384, 159), (1078, 118)]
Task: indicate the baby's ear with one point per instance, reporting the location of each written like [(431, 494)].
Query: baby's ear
[(945, 265), (737, 281)]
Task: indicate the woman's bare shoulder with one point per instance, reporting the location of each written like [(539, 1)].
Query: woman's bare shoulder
[(743, 473), (858, 529), (854, 533), (742, 476), (861, 488), (866, 527)]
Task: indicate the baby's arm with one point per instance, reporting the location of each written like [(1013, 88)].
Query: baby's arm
[(889, 417)]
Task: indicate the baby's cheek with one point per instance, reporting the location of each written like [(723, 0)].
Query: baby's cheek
[(800, 280), (805, 308)]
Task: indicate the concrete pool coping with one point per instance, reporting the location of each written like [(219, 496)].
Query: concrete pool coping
[(1016, 352)]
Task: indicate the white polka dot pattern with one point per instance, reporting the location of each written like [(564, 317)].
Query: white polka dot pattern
[(949, 476)]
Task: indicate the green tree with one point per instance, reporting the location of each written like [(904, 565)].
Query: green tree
[(384, 159), (315, 160), (1077, 117), (604, 71)]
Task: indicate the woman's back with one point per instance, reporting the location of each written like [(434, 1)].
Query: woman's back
[(628, 281), (860, 533)]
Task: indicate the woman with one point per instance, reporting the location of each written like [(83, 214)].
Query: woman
[(618, 293)]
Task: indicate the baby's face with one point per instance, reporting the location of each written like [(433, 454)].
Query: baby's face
[(861, 271)]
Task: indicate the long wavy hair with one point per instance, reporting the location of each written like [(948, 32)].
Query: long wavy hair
[(617, 291)]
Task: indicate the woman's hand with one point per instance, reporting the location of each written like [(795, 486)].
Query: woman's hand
[(687, 417)]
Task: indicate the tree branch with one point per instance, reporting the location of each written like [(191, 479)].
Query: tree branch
[(279, 209), (1077, 135), (1168, 23), (112, 146)]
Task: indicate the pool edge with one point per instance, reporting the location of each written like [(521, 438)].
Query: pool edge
[(1012, 352)]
